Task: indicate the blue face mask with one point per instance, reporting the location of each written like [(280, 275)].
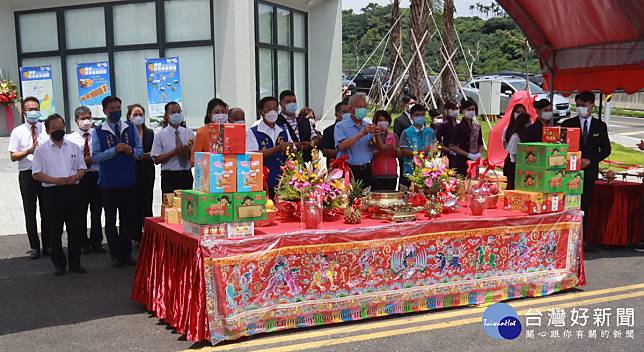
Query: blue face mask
[(419, 120), (346, 116), (361, 113), (114, 116), (176, 119), (291, 108), (32, 116)]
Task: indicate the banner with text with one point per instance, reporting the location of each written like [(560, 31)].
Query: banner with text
[(163, 83), (37, 82), (93, 85)]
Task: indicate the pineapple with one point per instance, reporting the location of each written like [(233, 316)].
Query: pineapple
[(355, 193)]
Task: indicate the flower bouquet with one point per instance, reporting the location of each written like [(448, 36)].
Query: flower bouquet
[(301, 179), (433, 179), (8, 97)]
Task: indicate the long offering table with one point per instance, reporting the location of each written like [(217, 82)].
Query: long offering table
[(286, 278)]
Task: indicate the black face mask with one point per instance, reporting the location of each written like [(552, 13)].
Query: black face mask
[(58, 135)]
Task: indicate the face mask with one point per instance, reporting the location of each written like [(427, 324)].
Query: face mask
[(32, 116), (469, 114), (58, 135), (419, 120), (453, 113), (114, 116), (439, 120), (583, 111), (516, 114), (239, 122), (361, 113), (176, 119), (219, 118), (138, 120), (383, 125), (291, 108), (84, 125), (546, 115), (271, 116), (346, 116), (409, 107)]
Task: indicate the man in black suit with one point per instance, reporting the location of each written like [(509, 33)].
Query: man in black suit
[(300, 129), (401, 123), (594, 145)]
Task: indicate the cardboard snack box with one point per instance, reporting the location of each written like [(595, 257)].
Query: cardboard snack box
[(573, 161), (550, 203), (536, 180), (250, 172), (227, 138), (520, 200), (168, 199), (215, 173), (564, 135), (572, 202), (240, 229), (575, 182), (213, 230), (249, 206), (543, 156), (204, 208)]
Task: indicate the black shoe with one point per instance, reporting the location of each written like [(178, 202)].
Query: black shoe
[(34, 254), (85, 250), (78, 270), (98, 249), (130, 261), (117, 263), (60, 272), (45, 252), (640, 247), (589, 248)]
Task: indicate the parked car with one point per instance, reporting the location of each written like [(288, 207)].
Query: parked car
[(534, 78), (348, 87), (510, 85), (364, 79)]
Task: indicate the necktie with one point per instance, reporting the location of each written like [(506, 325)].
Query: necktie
[(86, 147), (117, 132), (183, 161), (585, 131), (34, 136)]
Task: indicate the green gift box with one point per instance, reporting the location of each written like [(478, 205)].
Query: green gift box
[(572, 201), (249, 206), (206, 208), (575, 182), (542, 156), (539, 180)]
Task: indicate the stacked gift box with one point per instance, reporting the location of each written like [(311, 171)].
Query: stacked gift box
[(548, 175), (171, 207), (227, 197)]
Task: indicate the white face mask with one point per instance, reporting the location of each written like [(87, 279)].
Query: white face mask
[(469, 114), (271, 116), (453, 113), (438, 120), (383, 124), (84, 125), (583, 111), (219, 118), (546, 115), (138, 120)]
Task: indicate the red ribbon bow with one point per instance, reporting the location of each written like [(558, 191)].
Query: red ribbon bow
[(473, 167), (342, 163)]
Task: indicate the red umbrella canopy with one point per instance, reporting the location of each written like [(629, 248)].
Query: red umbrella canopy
[(587, 44)]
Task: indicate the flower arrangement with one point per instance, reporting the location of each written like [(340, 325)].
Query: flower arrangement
[(301, 178), (8, 93)]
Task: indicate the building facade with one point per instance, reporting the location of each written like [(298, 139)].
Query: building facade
[(237, 50)]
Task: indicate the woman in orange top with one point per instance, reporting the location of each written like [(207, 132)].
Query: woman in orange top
[(216, 112)]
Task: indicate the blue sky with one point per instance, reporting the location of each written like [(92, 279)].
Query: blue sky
[(462, 6)]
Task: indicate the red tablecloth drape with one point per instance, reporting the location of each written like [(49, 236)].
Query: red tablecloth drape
[(615, 215), (169, 279)]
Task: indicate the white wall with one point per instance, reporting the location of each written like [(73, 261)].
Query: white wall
[(8, 55)]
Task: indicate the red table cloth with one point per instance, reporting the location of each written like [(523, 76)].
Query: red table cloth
[(615, 215), (286, 278)]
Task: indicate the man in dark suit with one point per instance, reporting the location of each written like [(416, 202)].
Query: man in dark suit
[(401, 123), (300, 130), (594, 146)]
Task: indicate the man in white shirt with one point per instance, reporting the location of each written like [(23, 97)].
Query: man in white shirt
[(23, 142), (91, 196), (59, 165), (269, 139), (172, 148)]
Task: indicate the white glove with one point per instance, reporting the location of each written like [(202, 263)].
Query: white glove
[(471, 156)]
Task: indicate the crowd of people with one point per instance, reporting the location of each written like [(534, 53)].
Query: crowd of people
[(110, 167)]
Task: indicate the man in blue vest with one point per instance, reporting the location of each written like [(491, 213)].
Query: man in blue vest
[(415, 138), (115, 147), (271, 140)]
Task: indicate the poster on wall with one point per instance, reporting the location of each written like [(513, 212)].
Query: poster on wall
[(93, 85), (163, 83), (37, 82)]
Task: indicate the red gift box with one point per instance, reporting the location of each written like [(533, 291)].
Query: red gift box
[(227, 138), (552, 203), (565, 135)]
